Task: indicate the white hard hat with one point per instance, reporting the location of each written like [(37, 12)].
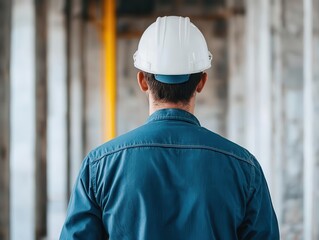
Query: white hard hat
[(172, 46)]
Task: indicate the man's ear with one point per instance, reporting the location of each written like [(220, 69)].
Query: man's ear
[(201, 83), (142, 82)]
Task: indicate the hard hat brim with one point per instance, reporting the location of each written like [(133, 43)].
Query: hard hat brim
[(172, 79)]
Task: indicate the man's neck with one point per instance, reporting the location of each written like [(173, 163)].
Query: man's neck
[(157, 105)]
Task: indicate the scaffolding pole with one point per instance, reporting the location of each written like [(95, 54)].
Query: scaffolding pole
[(5, 33), (109, 42)]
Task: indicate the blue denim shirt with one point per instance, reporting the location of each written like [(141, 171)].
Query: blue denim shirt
[(170, 179)]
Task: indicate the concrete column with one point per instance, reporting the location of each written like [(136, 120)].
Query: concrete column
[(76, 46), (76, 92), (250, 85), (41, 119), (236, 78), (5, 47), (263, 90), (56, 151), (258, 83), (94, 110), (277, 110), (315, 65), (83, 44), (291, 38), (308, 122), (68, 36), (22, 121)]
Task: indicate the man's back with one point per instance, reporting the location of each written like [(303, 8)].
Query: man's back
[(171, 179)]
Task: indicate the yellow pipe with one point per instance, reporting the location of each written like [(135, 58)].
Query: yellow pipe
[(109, 55)]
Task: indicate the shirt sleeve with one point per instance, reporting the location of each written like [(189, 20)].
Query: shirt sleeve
[(260, 219), (83, 220)]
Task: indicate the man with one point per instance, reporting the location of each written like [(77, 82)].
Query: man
[(171, 178)]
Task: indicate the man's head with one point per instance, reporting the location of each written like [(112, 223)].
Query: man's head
[(180, 93), (172, 55)]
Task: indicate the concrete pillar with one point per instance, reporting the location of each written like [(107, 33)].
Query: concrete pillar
[(76, 78), (41, 119), (5, 47), (291, 38), (236, 77), (308, 122), (263, 90), (83, 72), (76, 92), (22, 121), (56, 151), (94, 110), (250, 85), (315, 65), (68, 36), (258, 83), (277, 109)]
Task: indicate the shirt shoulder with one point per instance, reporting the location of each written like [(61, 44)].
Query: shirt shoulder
[(130, 139), (190, 137), (218, 143)]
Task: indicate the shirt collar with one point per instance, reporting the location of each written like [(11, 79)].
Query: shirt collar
[(173, 114)]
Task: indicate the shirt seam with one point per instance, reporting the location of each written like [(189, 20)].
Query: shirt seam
[(94, 180), (174, 146), (195, 122)]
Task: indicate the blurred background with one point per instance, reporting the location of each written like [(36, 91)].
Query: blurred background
[(67, 84)]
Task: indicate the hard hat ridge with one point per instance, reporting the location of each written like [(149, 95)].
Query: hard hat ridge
[(172, 46), (160, 31), (184, 25)]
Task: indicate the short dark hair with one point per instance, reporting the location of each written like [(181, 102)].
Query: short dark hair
[(174, 93)]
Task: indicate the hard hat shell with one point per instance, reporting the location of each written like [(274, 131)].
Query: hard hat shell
[(172, 46)]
